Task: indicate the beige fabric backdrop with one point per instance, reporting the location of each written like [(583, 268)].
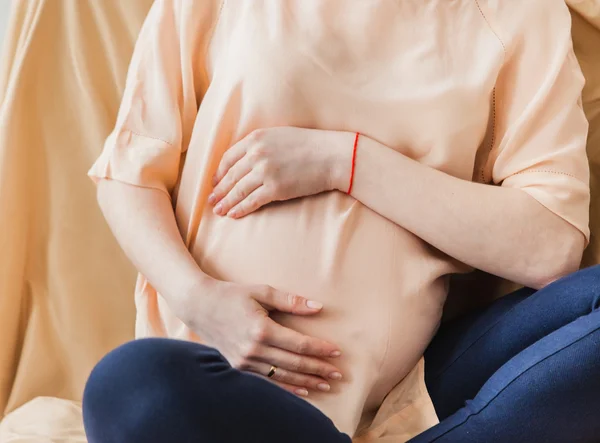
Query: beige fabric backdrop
[(65, 287), (586, 39)]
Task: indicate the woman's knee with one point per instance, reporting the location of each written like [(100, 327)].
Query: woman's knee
[(582, 287), (133, 390)]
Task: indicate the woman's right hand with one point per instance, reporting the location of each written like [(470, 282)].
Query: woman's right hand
[(235, 320), (232, 318)]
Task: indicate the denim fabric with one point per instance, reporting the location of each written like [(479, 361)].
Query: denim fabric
[(169, 391), (526, 369)]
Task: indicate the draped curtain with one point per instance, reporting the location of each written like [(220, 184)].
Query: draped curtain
[(65, 286)]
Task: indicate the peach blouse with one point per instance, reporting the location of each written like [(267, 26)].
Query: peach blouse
[(484, 90)]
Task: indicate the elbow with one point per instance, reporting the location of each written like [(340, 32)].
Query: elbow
[(562, 257)]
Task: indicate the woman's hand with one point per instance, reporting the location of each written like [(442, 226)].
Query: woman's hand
[(279, 163), (235, 320)]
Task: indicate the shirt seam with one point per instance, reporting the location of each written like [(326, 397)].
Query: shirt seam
[(491, 28), (151, 137), (493, 110), (114, 178), (492, 137), (547, 171)]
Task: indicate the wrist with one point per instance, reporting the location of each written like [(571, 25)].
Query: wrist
[(340, 168), (195, 298)]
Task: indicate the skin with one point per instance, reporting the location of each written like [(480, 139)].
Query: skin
[(474, 223), (229, 317)]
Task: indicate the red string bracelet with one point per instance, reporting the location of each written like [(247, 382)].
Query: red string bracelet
[(353, 162)]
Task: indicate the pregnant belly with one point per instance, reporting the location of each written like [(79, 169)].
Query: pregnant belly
[(373, 278)]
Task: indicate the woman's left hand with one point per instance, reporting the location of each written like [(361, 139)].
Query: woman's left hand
[(277, 164)]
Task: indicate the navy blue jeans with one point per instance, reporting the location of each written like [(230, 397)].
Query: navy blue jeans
[(526, 369)]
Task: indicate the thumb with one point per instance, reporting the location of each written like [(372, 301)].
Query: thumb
[(274, 300)]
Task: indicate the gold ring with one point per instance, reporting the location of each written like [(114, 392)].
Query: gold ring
[(272, 371)]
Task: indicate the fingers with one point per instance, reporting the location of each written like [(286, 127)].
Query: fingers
[(303, 380), (244, 190), (299, 364), (273, 334), (239, 181), (230, 158), (258, 198), (302, 392), (282, 301), (239, 171), (294, 382)]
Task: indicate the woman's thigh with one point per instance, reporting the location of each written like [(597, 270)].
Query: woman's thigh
[(467, 351), (522, 369), (160, 390), (549, 392)]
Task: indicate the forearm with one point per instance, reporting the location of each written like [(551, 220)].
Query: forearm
[(499, 230), (143, 222)]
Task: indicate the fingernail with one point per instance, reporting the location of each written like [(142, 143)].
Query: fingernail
[(314, 304), (323, 387), (335, 376), (233, 213), (218, 209), (212, 198), (302, 392), (335, 354)]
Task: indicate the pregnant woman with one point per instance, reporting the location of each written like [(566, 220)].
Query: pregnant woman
[(296, 180)]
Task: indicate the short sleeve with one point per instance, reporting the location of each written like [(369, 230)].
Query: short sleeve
[(164, 85), (540, 127)]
